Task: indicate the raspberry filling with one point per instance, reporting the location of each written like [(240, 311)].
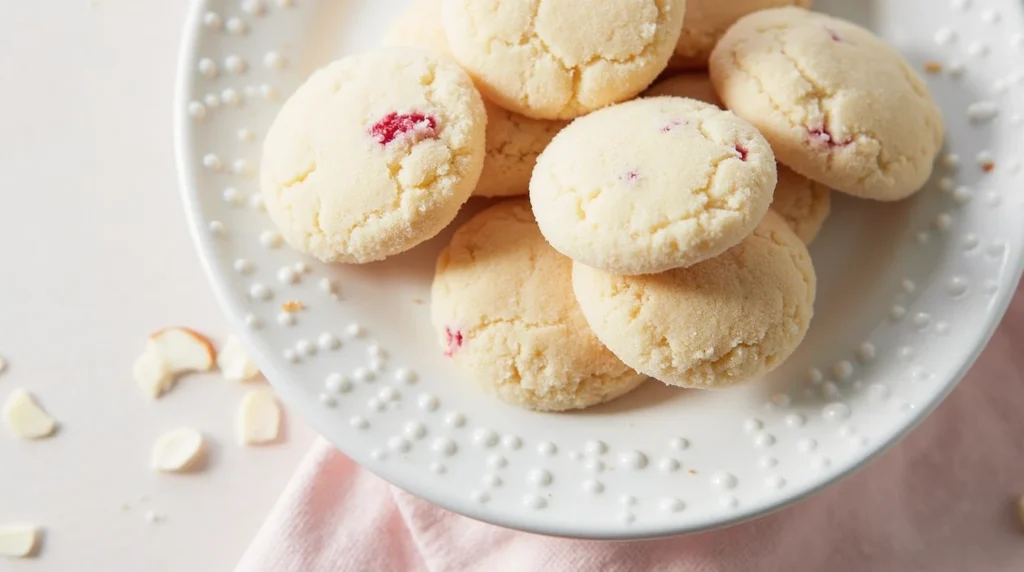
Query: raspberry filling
[(741, 150), (630, 177), (821, 136), (672, 125), (454, 340), (394, 125)]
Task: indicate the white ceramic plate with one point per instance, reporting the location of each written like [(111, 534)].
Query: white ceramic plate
[(908, 295)]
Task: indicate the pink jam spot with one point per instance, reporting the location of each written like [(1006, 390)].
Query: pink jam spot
[(630, 177), (835, 35), (821, 136), (395, 125), (742, 151), (454, 340), (672, 125)]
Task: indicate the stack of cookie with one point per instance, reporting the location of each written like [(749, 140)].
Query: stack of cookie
[(661, 237)]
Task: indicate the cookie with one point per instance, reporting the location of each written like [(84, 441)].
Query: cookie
[(373, 155), (652, 184), (803, 203), (707, 20), (693, 85), (419, 26), (838, 105), (513, 140), (719, 323), (560, 59), (503, 307)]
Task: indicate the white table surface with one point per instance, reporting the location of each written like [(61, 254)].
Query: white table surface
[(96, 255)]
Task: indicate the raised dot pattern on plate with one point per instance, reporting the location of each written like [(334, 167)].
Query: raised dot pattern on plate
[(398, 413)]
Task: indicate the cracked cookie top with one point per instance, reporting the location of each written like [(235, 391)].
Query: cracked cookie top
[(838, 105), (803, 203), (718, 323), (652, 184), (503, 307), (373, 155), (559, 59)]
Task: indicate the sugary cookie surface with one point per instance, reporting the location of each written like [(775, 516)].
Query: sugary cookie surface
[(503, 307), (838, 105), (373, 155), (707, 20), (721, 322), (652, 184), (559, 59)]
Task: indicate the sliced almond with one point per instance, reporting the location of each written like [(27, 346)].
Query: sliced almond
[(169, 354), (19, 540), (184, 350), (259, 418), (151, 372), (178, 450), (234, 362), (26, 418)]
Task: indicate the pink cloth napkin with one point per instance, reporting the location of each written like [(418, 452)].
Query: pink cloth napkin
[(942, 500)]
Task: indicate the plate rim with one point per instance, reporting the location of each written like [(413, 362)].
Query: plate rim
[(215, 276)]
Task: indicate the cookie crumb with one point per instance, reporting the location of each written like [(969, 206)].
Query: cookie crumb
[(932, 67), (988, 166), (292, 306), (692, 472)]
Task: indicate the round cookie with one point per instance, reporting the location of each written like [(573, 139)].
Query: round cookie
[(513, 141), (803, 203), (838, 105), (652, 184), (503, 306), (419, 26), (373, 155), (718, 323), (707, 20), (559, 59), (693, 85)]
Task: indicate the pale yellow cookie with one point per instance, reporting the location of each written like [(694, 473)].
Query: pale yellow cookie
[(373, 155), (652, 184), (838, 105), (707, 20), (693, 85), (503, 306), (719, 323), (559, 59), (803, 203), (419, 26), (513, 141)]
